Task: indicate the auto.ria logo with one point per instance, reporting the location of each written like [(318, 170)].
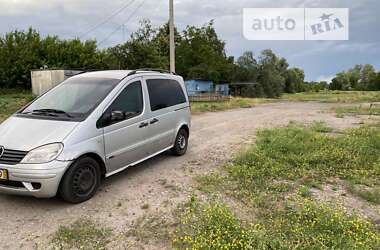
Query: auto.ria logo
[(328, 23), (295, 23)]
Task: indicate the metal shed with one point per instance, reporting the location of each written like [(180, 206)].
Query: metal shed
[(222, 89), (43, 80), (197, 87)]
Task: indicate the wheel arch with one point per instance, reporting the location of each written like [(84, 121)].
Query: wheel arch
[(185, 127), (97, 158)]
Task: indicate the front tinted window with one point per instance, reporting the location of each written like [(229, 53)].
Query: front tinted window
[(130, 100), (75, 96), (164, 93)]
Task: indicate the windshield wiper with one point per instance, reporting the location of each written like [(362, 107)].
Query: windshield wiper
[(52, 111)]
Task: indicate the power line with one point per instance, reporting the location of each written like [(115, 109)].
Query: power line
[(120, 26), (94, 27)]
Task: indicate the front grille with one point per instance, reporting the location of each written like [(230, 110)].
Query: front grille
[(12, 157)]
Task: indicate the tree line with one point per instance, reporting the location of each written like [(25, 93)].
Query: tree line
[(200, 54), (360, 77)]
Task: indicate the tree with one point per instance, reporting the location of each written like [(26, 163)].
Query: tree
[(353, 76), (140, 51), (162, 41), (246, 68), (357, 78), (22, 51), (272, 70), (375, 82), (294, 80), (253, 91), (19, 53), (201, 55), (341, 82), (367, 73)]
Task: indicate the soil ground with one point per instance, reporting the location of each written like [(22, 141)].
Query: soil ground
[(158, 185)]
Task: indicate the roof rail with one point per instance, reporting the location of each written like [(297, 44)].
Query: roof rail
[(136, 71)]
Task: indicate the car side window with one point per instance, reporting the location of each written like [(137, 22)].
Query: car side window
[(129, 102), (164, 93)]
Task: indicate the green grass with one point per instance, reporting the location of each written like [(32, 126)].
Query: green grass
[(210, 227), (272, 179), (335, 96), (371, 195), (82, 234), (301, 224), (151, 228), (295, 153), (321, 127), (233, 103), (12, 100), (357, 110)]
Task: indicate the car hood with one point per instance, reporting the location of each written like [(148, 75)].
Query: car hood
[(25, 134)]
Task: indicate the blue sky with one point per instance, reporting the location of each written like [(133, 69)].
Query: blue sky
[(320, 59)]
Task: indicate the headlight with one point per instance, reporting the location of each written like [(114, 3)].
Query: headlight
[(43, 154)]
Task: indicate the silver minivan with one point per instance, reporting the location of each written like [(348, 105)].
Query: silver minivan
[(89, 127)]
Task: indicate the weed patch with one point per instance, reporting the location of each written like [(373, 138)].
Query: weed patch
[(357, 110), (335, 96), (301, 224), (296, 153), (233, 103), (82, 234)]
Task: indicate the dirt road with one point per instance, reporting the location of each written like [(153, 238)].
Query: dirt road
[(158, 184)]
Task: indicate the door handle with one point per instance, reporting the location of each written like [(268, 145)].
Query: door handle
[(143, 125), (155, 120)]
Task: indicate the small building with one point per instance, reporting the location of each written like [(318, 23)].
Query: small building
[(198, 87), (236, 88), (44, 79), (222, 89)]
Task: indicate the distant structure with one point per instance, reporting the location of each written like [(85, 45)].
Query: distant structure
[(222, 89), (204, 87), (236, 88), (198, 87), (45, 79)]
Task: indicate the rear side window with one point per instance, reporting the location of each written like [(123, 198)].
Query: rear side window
[(164, 93)]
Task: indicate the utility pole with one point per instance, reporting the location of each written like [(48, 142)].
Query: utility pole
[(123, 34), (171, 36)]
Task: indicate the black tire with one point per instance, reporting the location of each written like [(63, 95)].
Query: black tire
[(81, 181), (181, 142)]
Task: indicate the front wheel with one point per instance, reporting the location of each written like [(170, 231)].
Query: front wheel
[(81, 181), (181, 142)]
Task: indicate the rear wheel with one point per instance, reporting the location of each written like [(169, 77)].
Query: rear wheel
[(181, 142), (81, 181)]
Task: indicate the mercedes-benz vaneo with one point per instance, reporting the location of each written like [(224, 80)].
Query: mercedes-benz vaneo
[(89, 127)]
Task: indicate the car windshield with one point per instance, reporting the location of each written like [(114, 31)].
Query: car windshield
[(75, 97)]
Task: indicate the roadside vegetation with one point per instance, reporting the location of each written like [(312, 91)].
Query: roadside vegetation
[(358, 110), (274, 182), (82, 234), (301, 224), (233, 103), (335, 96), (12, 100)]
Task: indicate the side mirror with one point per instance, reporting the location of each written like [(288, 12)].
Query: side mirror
[(117, 116)]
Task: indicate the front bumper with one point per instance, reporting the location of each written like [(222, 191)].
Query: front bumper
[(38, 180)]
